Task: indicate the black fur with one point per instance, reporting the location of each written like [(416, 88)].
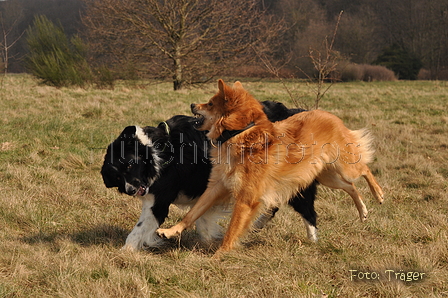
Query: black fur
[(277, 111), (184, 164)]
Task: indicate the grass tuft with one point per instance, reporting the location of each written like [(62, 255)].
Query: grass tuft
[(73, 162)]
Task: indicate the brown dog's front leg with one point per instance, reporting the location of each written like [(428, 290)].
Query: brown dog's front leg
[(245, 209), (214, 193)]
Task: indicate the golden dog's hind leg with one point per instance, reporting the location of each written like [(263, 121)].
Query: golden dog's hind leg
[(334, 180), (214, 193), (375, 188)]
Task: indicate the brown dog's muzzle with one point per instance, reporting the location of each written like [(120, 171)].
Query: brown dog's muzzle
[(199, 119)]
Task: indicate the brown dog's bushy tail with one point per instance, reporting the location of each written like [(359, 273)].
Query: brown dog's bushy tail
[(365, 141)]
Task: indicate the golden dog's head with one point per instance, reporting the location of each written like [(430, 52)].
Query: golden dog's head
[(232, 108)]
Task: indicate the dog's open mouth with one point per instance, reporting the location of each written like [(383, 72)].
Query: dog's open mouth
[(141, 191), (198, 120)]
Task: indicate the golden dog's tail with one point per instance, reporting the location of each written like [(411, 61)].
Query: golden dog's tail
[(365, 141)]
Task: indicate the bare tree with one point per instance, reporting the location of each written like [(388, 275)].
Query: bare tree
[(324, 60), (188, 40), (325, 63), (358, 40), (9, 35)]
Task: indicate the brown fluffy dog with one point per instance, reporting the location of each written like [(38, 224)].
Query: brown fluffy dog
[(264, 163)]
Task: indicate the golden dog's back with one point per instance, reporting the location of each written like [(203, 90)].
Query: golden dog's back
[(319, 131)]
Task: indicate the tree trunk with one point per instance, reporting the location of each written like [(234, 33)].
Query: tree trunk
[(177, 78), (5, 52), (6, 59)]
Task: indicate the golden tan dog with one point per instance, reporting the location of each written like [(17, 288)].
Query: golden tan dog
[(264, 163)]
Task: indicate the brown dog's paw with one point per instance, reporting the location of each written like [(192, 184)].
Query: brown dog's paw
[(168, 233)]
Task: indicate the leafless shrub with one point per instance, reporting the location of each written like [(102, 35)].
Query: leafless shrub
[(350, 72), (365, 72), (258, 71), (377, 73), (7, 26), (424, 74), (276, 70), (325, 62), (324, 59)]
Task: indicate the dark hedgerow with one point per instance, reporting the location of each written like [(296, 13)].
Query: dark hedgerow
[(405, 65)]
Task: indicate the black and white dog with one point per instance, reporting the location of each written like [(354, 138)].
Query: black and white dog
[(169, 164)]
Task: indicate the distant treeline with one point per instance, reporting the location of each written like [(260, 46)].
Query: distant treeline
[(368, 31)]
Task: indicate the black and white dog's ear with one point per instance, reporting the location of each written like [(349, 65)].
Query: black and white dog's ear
[(157, 134), (126, 137), (110, 175), (128, 132)]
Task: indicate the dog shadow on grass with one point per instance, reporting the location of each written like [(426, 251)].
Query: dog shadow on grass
[(104, 234), (111, 236), (114, 237)]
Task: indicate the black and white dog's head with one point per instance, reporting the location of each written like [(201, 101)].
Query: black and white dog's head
[(134, 160)]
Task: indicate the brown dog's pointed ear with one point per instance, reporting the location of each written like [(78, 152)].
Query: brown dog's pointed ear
[(223, 89), (238, 85), (221, 86)]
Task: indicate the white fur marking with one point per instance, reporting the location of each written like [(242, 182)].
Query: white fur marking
[(142, 137), (207, 225), (261, 221), (144, 232), (128, 187), (310, 230)]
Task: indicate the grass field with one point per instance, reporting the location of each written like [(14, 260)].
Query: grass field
[(61, 230)]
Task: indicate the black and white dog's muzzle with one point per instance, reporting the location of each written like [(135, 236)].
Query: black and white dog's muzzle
[(134, 191)]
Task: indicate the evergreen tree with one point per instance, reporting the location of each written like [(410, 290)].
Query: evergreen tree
[(405, 65), (53, 58)]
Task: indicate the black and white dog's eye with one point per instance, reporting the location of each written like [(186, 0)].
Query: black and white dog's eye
[(129, 167)]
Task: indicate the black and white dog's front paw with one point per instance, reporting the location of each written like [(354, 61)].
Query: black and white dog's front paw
[(140, 239), (144, 233)]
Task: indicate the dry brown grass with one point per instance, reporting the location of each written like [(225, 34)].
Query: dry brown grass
[(61, 229)]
